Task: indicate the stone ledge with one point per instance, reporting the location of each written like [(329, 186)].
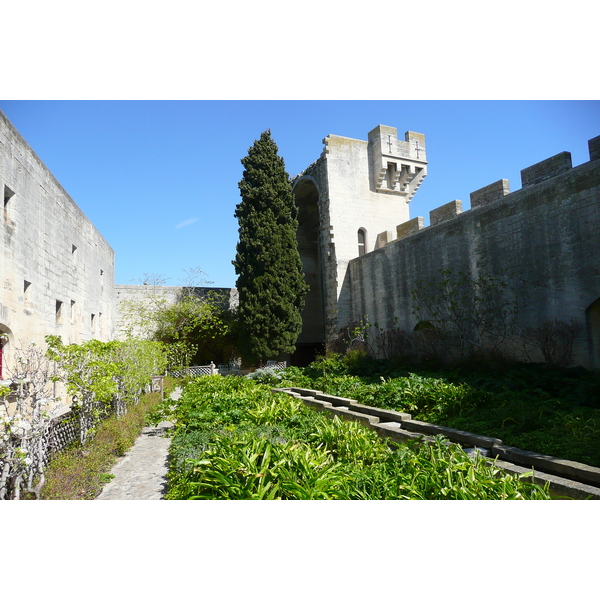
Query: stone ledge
[(302, 391), (348, 415), (454, 435), (548, 464), (382, 413), (336, 400), (559, 486), (316, 404), (394, 432)]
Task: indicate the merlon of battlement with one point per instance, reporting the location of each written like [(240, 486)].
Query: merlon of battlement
[(409, 227), (445, 213), (594, 148), (546, 169), (490, 193), (383, 239)]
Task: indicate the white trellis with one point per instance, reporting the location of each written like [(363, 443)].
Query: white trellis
[(195, 371)]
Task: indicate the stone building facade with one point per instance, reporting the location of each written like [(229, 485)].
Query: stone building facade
[(347, 201), (363, 255), (56, 269)]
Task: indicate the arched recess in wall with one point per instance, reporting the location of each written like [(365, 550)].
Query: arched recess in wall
[(5, 342), (362, 241), (592, 319), (312, 338), (424, 326)]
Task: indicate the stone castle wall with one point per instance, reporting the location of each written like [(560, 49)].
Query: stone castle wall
[(355, 186), (132, 297), (547, 234), (362, 253), (56, 270)]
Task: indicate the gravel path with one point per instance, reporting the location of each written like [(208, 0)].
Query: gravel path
[(141, 473)]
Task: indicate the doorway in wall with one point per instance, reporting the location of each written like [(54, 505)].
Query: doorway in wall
[(312, 338)]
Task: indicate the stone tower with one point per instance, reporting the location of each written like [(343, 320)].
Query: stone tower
[(350, 202)]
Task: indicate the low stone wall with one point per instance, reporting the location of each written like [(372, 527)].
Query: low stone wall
[(565, 477)]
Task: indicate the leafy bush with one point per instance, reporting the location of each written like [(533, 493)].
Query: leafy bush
[(268, 375), (551, 411), (277, 448)]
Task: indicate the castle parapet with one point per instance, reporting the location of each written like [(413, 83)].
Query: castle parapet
[(490, 193), (551, 167), (383, 239), (594, 148), (399, 167), (445, 212), (409, 227)]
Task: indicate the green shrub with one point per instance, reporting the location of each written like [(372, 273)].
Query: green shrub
[(277, 448), (552, 411)]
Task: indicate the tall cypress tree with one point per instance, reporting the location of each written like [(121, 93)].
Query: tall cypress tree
[(270, 280)]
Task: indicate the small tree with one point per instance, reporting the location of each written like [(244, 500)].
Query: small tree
[(270, 280), (554, 339), (27, 409), (90, 374), (203, 324), (198, 322)]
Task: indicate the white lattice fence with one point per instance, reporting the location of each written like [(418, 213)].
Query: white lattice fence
[(276, 365), (197, 371)]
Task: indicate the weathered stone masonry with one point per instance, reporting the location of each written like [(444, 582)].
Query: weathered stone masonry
[(547, 234), (56, 270), (346, 198)]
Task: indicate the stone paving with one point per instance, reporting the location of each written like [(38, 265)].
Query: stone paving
[(141, 473)]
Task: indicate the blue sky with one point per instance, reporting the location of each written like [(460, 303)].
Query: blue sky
[(159, 178)]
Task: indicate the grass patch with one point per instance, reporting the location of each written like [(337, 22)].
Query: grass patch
[(78, 473)]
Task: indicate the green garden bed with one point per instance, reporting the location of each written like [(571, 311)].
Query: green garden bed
[(555, 412), (234, 439)]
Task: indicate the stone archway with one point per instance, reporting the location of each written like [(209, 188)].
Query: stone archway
[(592, 319), (312, 338)]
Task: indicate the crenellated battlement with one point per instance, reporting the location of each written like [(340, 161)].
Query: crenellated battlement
[(398, 167), (546, 169), (539, 173), (594, 148), (544, 237), (546, 233)]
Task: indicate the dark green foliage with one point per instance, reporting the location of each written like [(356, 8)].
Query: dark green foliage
[(533, 407), (277, 448), (270, 281)]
